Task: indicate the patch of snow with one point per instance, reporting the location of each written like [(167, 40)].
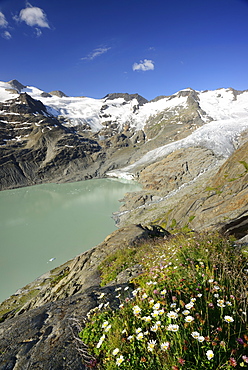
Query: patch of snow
[(152, 108), (77, 110), (122, 174), (9, 113), (52, 111), (21, 128), (4, 94), (221, 104), (51, 259), (33, 91)]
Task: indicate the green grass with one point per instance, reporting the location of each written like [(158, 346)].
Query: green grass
[(59, 277), (245, 164), (187, 309), (216, 190), (117, 262), (14, 306)]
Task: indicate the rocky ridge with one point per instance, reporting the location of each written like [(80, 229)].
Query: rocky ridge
[(192, 187)]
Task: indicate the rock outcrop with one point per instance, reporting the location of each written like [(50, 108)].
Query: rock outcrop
[(16, 85), (43, 338), (58, 93)]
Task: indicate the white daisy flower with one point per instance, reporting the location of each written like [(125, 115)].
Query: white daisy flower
[(151, 345), (172, 315), (115, 351), (209, 354), (164, 346), (228, 319), (189, 318), (195, 334)]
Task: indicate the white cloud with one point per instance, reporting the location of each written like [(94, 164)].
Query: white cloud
[(33, 16), (96, 53), (38, 32), (144, 65), (6, 35), (3, 22)]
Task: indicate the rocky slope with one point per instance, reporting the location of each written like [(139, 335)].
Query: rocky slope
[(177, 193), (190, 153)]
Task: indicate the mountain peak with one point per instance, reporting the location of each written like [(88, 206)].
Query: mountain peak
[(126, 97), (16, 85), (58, 93)]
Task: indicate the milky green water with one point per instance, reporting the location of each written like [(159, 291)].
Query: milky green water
[(48, 221)]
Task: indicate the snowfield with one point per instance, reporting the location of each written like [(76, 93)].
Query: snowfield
[(226, 117), (4, 93)]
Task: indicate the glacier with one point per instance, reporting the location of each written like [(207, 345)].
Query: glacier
[(224, 113)]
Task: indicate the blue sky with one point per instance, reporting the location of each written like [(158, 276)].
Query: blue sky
[(95, 47)]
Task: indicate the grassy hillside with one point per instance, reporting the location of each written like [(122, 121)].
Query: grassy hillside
[(186, 310)]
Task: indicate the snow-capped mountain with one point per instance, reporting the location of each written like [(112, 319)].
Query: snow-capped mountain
[(132, 109), (143, 131), (225, 118)]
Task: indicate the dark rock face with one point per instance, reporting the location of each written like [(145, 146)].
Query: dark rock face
[(24, 104), (16, 85), (237, 227), (46, 95), (126, 97), (58, 93), (43, 338)]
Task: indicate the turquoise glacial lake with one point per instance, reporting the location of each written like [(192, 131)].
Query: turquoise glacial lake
[(43, 226)]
